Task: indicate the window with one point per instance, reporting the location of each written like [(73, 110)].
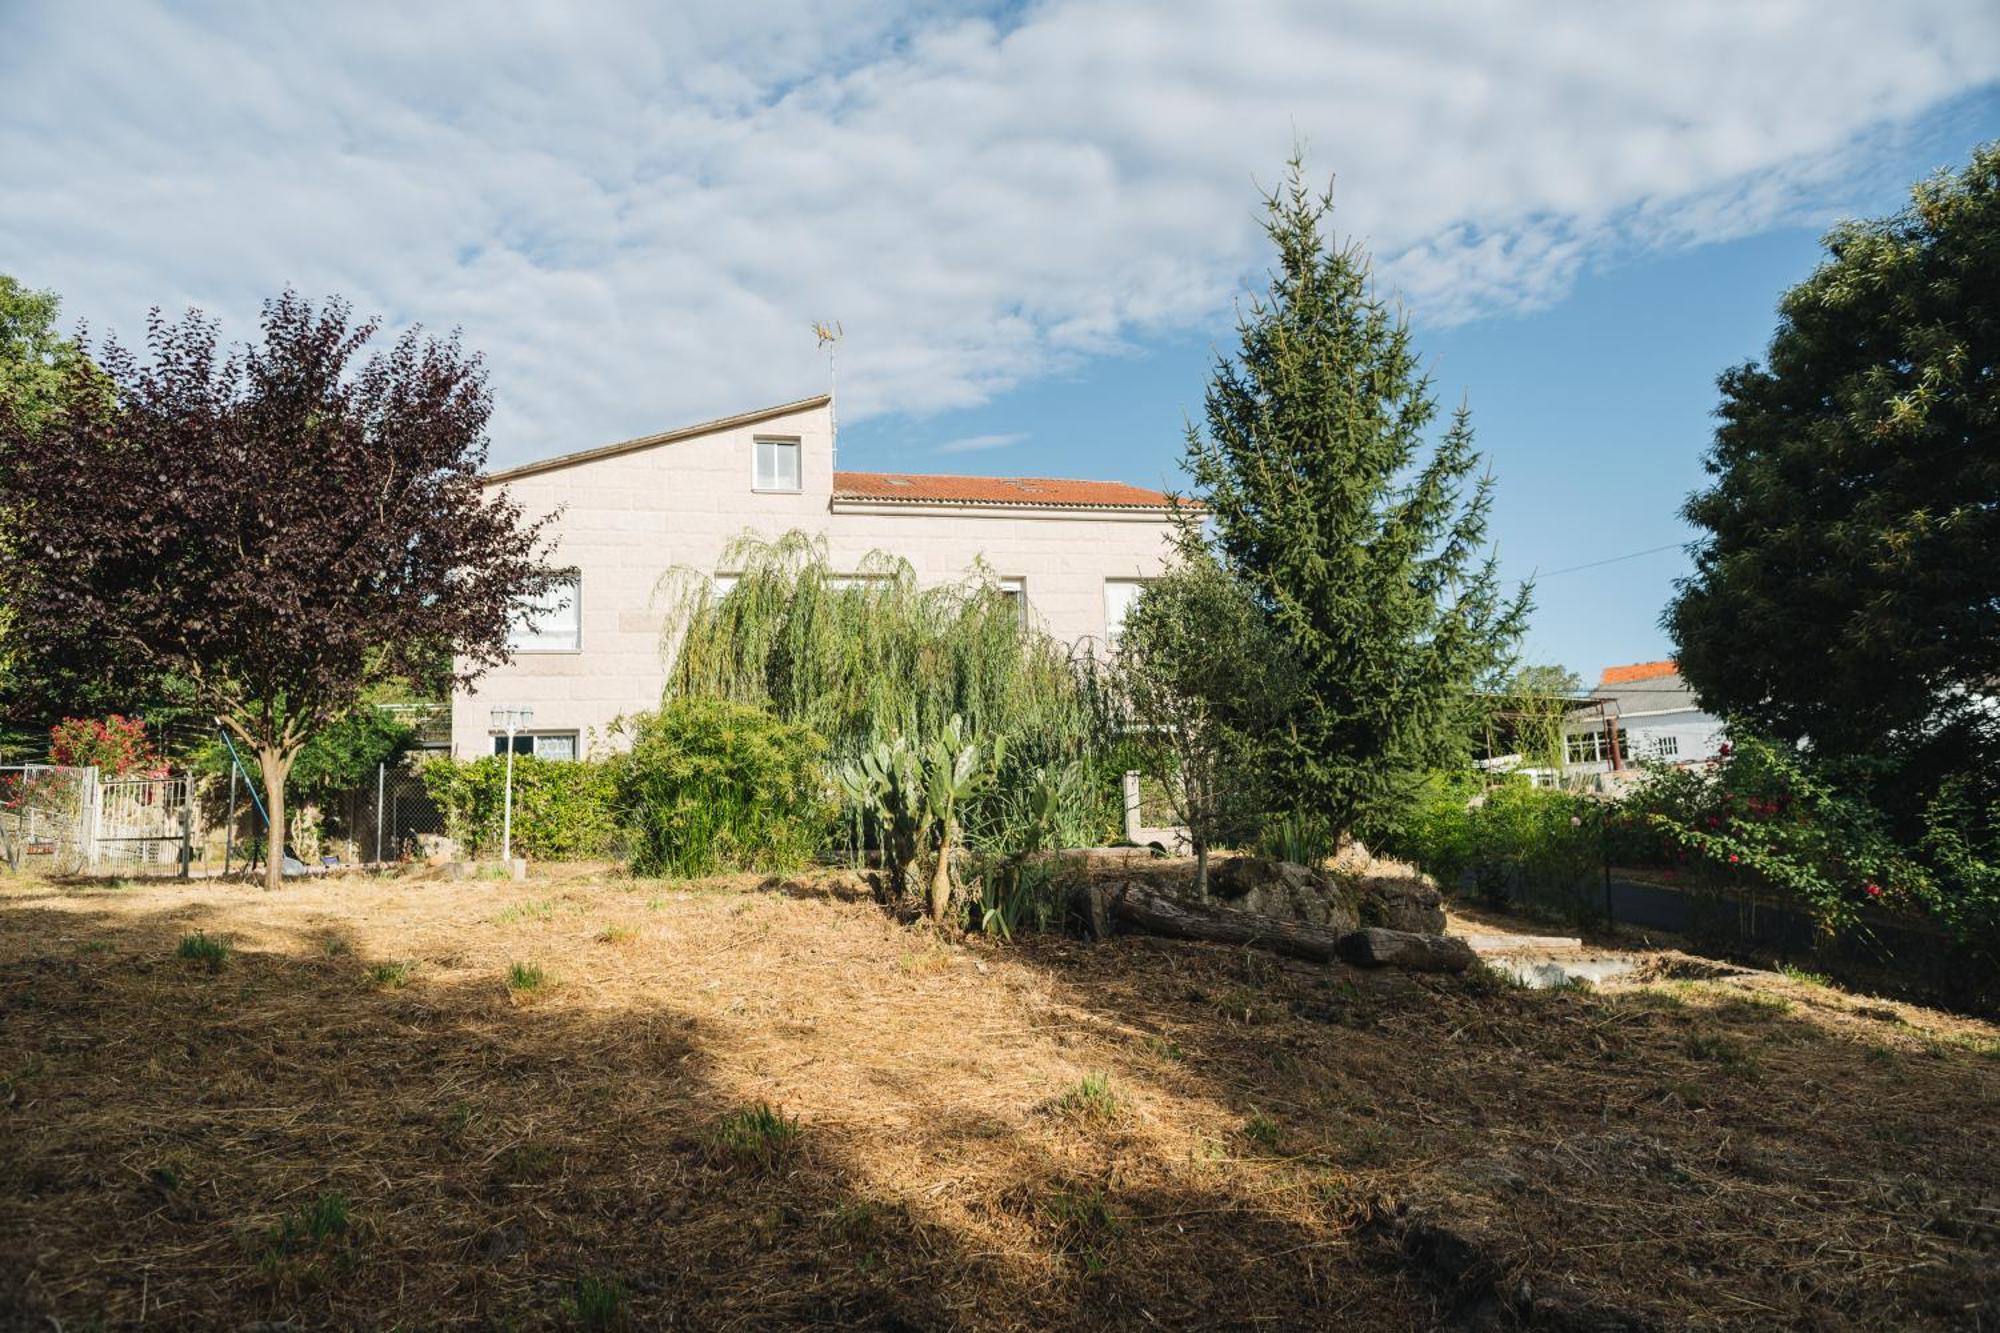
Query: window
[(777, 466), (1666, 747), (540, 744), (1591, 747), (552, 623), (1016, 591), (1119, 594)]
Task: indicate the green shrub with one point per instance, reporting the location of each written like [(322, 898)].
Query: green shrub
[(564, 809), (1511, 833), (711, 785)]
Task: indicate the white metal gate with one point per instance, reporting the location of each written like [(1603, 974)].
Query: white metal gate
[(142, 823), (48, 815)]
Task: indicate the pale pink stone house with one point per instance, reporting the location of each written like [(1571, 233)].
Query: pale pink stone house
[(1075, 552)]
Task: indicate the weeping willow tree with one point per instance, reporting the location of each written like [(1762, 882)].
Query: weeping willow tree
[(867, 657)]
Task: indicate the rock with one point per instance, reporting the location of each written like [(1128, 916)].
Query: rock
[(1402, 902), (1374, 946), (1283, 891)]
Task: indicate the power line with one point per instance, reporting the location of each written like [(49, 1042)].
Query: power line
[(1609, 560)]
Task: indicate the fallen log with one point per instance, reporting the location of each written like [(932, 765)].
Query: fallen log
[(1136, 907), (1374, 946), (1157, 914)]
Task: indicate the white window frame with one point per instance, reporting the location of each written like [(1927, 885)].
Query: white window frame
[(792, 442), (1137, 585), (519, 639), (535, 739), (1016, 588)]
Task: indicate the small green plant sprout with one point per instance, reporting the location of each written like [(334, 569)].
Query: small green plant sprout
[(760, 1135), (540, 909), (1260, 1129), (617, 935), (526, 978), (1717, 1049), (1090, 1099), (598, 1304), (201, 947), (320, 1228), (1803, 977), (1166, 1048), (389, 976)]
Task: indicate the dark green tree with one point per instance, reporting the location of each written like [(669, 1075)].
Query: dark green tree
[(1847, 590), (1204, 681), (1358, 529)]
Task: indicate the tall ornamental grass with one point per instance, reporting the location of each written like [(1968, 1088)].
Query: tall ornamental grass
[(865, 657)]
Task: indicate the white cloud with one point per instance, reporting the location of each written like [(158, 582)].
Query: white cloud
[(636, 210), (979, 444)]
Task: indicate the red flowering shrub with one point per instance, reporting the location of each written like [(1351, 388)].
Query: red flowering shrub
[(117, 746)]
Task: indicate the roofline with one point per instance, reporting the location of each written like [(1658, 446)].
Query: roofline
[(878, 504), (859, 497), (750, 418)]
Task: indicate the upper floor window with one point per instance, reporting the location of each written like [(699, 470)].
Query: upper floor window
[(552, 623), (777, 465)]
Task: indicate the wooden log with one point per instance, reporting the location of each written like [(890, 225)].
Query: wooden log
[(1374, 946), (1134, 905)]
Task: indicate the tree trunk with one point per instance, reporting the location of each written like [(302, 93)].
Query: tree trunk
[(1201, 869), (276, 766), (1156, 914), (941, 876)]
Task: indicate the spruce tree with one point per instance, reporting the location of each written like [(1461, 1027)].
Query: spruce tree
[(1358, 529)]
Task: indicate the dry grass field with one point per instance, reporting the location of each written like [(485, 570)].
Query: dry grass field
[(595, 1102)]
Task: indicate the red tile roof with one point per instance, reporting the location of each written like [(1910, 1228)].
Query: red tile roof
[(923, 488), (1625, 675)]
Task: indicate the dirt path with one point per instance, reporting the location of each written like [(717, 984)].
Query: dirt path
[(352, 1120)]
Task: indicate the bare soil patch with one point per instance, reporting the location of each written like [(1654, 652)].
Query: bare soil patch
[(591, 1101)]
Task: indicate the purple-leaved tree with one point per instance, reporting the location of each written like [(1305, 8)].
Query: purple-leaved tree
[(277, 525)]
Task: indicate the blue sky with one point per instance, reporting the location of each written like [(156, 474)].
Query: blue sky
[(1594, 412), (1032, 220)]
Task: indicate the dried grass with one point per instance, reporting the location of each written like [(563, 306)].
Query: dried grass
[(1436, 1151)]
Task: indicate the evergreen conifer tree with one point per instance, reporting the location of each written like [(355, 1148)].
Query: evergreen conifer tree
[(1363, 541)]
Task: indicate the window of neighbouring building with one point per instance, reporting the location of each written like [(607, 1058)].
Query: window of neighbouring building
[(1119, 594), (540, 744), (552, 623), (777, 465), (1593, 747), (1666, 747)]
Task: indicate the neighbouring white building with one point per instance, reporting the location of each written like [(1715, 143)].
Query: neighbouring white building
[(1642, 713), (1074, 553)]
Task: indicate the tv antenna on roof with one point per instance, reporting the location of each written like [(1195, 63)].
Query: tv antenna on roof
[(829, 336)]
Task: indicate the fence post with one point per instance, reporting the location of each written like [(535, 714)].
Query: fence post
[(187, 823), (229, 828), (381, 772), (92, 813)]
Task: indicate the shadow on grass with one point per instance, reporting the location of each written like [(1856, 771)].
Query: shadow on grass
[(319, 1134)]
